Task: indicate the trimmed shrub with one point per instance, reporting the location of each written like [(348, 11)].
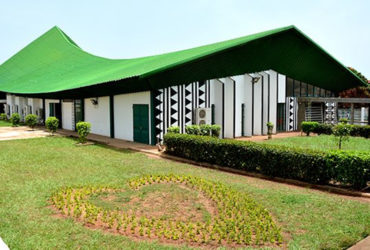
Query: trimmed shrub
[(192, 130), (3, 117), (31, 120), (215, 129), (272, 160), (15, 119), (205, 129), (52, 123), (308, 127), (358, 130), (323, 128), (173, 129), (83, 130), (343, 120)]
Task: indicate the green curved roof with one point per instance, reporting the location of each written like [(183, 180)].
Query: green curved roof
[(53, 63)]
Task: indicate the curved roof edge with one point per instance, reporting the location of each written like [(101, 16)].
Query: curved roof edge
[(54, 63)]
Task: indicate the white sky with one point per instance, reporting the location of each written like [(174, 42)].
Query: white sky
[(125, 29)]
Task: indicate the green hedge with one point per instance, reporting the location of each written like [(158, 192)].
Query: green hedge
[(322, 128), (277, 161)]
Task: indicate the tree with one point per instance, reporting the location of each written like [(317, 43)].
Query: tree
[(342, 132), (360, 91)]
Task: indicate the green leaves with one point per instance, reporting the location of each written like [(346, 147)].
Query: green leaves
[(83, 130), (31, 120), (278, 161), (308, 127), (239, 220), (15, 119), (52, 123)]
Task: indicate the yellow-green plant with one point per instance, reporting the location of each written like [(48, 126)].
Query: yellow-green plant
[(239, 219)]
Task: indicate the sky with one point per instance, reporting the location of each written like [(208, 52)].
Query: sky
[(126, 29)]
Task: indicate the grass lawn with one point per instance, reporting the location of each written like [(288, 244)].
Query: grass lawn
[(5, 123), (322, 142), (32, 170)]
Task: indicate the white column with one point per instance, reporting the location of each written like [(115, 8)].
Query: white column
[(273, 98), (248, 105)]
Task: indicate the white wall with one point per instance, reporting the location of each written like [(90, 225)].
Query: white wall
[(273, 98), (281, 88), (67, 115), (216, 99), (265, 114), (257, 106), (98, 116), (248, 105), (229, 108), (123, 114)]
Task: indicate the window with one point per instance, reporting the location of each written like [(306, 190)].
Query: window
[(297, 88), (309, 90), (289, 87), (303, 89), (322, 94)]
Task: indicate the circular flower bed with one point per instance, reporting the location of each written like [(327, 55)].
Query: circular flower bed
[(238, 219)]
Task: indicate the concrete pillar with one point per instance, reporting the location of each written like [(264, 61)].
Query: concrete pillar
[(301, 114), (352, 113)]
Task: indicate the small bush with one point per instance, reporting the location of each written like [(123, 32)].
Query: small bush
[(31, 120), (342, 132), (323, 128), (15, 119), (308, 127), (83, 130), (192, 130), (343, 120), (205, 129), (52, 123), (216, 129), (312, 166), (3, 117), (173, 129), (358, 130)]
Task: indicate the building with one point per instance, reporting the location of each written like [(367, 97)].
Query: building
[(243, 83)]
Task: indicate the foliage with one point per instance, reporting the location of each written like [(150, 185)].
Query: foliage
[(323, 128), (342, 132), (204, 129), (83, 130), (308, 127), (216, 129), (356, 130), (3, 117), (270, 127), (343, 120), (15, 119), (240, 220), (358, 92), (192, 129), (52, 123), (173, 129), (278, 161), (31, 120), (359, 130)]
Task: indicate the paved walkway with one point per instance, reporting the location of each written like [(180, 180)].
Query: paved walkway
[(264, 137), (21, 132), (361, 245), (116, 143)]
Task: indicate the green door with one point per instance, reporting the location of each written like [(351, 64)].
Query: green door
[(141, 123)]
